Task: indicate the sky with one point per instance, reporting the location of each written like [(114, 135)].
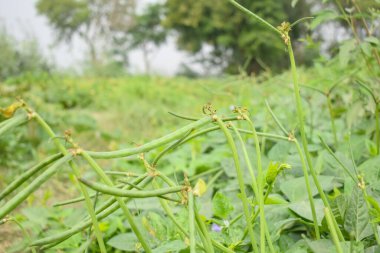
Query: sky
[(20, 19)]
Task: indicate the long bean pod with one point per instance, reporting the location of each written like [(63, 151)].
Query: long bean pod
[(129, 193), (33, 186), (104, 211), (13, 122), (27, 174), (150, 145)]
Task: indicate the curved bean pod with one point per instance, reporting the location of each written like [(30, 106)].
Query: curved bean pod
[(13, 122), (129, 193), (27, 174), (34, 185)]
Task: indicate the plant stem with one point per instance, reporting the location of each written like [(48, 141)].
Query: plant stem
[(300, 115), (122, 205), (308, 189), (257, 188), (259, 19), (76, 172), (334, 235), (203, 232), (332, 118), (240, 178), (191, 221)]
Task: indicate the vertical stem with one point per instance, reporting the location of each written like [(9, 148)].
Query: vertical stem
[(377, 111), (300, 115), (240, 178), (81, 187), (308, 188), (191, 221), (258, 188), (332, 119), (123, 206), (207, 243), (332, 230)]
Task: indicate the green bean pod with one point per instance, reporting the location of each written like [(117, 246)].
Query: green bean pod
[(129, 193), (27, 174), (34, 185), (12, 123), (150, 145), (102, 212)]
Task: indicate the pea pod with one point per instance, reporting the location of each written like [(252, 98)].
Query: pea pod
[(33, 186), (129, 193), (27, 174)]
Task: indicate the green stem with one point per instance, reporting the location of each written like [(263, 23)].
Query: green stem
[(377, 112), (104, 211), (334, 235), (76, 171), (259, 19), (203, 232), (308, 189), (256, 187), (191, 221), (122, 205), (332, 118), (260, 176), (26, 234), (240, 178), (300, 115)]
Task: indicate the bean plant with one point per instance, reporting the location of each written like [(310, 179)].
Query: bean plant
[(239, 130)]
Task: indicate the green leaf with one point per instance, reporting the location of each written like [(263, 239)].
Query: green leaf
[(294, 2), (303, 209), (345, 52), (373, 40), (366, 47), (126, 241), (326, 246), (169, 247), (356, 217), (221, 205), (295, 189), (371, 171), (323, 16)]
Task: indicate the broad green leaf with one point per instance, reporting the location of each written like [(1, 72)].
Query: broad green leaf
[(126, 241), (356, 217), (295, 189), (170, 247), (221, 205), (326, 246), (303, 209)]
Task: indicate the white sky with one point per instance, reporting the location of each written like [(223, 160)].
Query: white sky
[(20, 19)]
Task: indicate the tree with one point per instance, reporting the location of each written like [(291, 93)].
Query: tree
[(145, 33), (94, 21), (17, 57), (234, 39)]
